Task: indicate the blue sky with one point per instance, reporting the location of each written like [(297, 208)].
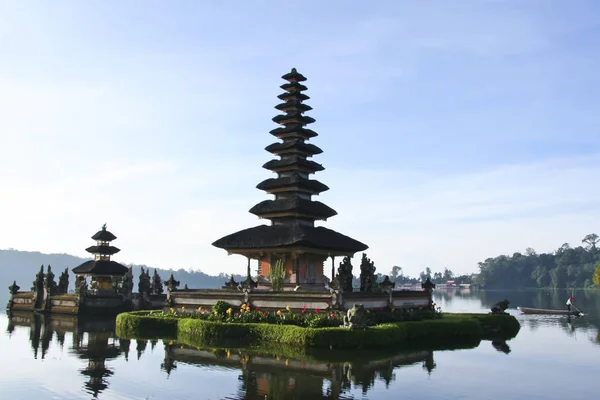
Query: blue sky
[(452, 131)]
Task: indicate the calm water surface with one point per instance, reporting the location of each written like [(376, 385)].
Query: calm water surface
[(67, 358)]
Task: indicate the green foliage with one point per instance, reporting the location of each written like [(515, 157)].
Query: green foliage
[(567, 267), (223, 312), (596, 278), (277, 276), (144, 324), (221, 307), (454, 328)]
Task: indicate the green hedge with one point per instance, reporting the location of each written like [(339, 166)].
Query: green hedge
[(451, 328), (146, 325)]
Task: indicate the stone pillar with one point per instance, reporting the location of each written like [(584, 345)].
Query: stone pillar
[(332, 268)]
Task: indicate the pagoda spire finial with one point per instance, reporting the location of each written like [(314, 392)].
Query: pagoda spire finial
[(104, 227)]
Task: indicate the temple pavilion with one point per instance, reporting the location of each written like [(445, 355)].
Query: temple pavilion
[(292, 236), (101, 269)]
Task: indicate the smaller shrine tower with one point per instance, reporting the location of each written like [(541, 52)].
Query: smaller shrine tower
[(101, 269)]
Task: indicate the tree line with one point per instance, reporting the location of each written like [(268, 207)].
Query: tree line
[(566, 267)]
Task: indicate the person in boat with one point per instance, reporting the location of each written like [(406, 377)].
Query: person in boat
[(569, 303)]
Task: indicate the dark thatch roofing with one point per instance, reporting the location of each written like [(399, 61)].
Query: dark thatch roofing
[(294, 205), (289, 235), (297, 129), (293, 144), (293, 160), (293, 118), (310, 185), (104, 250), (293, 87), (293, 96), (294, 76), (101, 267), (104, 235), (293, 105)]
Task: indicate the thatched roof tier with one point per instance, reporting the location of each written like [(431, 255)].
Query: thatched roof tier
[(293, 145), (104, 235), (290, 236), (293, 118), (103, 249), (100, 267), (294, 76), (297, 162), (293, 105), (293, 206), (298, 182), (297, 96), (293, 87), (296, 130)]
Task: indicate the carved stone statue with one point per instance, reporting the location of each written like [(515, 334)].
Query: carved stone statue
[(144, 285), (387, 285), (500, 307), (49, 282), (231, 284), (355, 317), (344, 275), (14, 288), (127, 283), (157, 285), (63, 282), (38, 283), (367, 274), (171, 284), (81, 285)]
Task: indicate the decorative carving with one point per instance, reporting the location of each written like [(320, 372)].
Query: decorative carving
[(49, 282), (231, 284), (81, 285), (171, 284), (428, 286), (38, 283), (355, 317), (14, 288), (500, 307), (344, 275), (157, 285), (127, 283), (387, 285), (144, 285), (249, 283), (367, 274), (63, 282)]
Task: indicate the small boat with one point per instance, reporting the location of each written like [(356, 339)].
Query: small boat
[(525, 310)]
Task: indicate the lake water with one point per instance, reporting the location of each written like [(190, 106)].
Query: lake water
[(66, 358)]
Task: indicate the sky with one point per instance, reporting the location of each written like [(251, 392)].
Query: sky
[(451, 131)]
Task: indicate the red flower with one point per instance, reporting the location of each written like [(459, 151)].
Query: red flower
[(317, 310), (257, 308), (303, 310), (332, 315), (264, 314)]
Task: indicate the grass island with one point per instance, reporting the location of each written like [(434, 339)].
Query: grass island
[(385, 327)]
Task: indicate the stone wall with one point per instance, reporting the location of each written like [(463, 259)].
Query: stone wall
[(267, 300)]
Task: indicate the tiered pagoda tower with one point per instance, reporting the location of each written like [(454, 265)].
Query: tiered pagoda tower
[(101, 269), (292, 236)]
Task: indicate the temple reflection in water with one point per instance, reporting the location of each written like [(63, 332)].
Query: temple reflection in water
[(329, 375)]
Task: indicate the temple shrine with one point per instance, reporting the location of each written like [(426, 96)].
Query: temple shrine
[(292, 240), (101, 269)]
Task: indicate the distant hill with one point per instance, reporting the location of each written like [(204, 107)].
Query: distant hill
[(21, 266)]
